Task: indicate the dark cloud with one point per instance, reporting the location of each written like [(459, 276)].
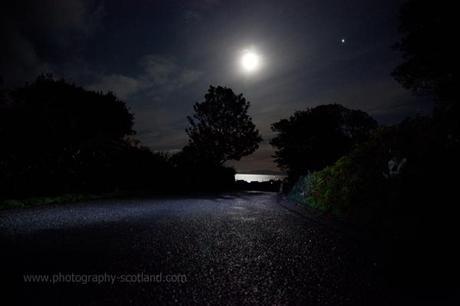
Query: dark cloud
[(157, 76), (161, 56), (39, 36), (123, 86)]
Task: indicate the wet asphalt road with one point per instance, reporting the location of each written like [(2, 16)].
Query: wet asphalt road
[(228, 249)]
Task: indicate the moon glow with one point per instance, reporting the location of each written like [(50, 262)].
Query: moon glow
[(250, 61)]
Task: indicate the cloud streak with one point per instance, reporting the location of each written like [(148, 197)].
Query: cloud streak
[(159, 75), (39, 36)]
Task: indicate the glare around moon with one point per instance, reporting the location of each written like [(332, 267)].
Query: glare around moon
[(250, 61)]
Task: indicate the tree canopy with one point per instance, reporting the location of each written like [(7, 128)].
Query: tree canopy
[(54, 114), (221, 128), (56, 134), (312, 139), (430, 54)]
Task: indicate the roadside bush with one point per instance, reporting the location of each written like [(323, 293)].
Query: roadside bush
[(378, 174), (354, 186), (399, 186), (345, 189), (330, 188), (317, 137)]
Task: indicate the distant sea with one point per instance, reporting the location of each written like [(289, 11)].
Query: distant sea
[(258, 177)]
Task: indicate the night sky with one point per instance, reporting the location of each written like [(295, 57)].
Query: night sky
[(161, 56)]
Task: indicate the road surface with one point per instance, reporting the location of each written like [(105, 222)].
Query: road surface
[(230, 249)]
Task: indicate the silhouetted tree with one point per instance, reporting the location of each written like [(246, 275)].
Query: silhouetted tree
[(312, 139), (56, 135), (221, 128), (50, 115), (431, 55)]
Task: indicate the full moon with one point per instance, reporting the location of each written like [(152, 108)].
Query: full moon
[(250, 61)]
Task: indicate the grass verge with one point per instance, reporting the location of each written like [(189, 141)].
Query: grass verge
[(45, 200)]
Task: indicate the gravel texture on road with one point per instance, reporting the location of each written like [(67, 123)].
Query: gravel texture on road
[(241, 248)]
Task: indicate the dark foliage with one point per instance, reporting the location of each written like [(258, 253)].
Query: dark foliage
[(399, 186), (57, 137), (431, 56), (313, 139), (221, 129)]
